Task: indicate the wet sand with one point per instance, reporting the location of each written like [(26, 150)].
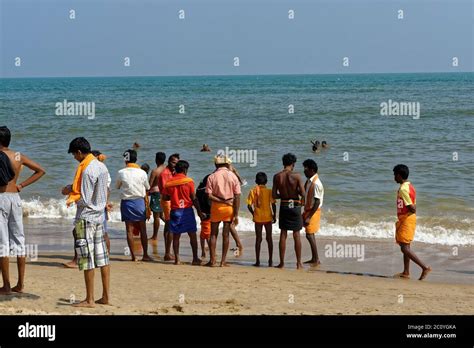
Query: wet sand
[(160, 288)]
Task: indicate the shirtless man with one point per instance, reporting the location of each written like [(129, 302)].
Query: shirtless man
[(12, 236), (155, 194), (289, 188)]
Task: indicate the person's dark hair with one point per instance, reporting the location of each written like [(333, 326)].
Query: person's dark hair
[(311, 164), (175, 155), (402, 170), (79, 144), (130, 156), (160, 158), (181, 166), (96, 153), (324, 142), (261, 178), (5, 136), (288, 159), (145, 167)]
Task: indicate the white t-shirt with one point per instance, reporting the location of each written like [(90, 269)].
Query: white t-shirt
[(318, 189), (133, 183)]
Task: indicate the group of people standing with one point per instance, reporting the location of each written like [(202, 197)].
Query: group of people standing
[(217, 200), (170, 195)]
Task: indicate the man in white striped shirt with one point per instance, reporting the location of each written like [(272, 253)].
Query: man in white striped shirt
[(89, 193)]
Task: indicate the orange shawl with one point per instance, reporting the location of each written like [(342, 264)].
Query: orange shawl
[(75, 194)]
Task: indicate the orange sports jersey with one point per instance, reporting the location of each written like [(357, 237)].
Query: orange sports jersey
[(179, 188), (260, 197), (406, 196)]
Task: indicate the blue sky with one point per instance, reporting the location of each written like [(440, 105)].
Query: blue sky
[(215, 31)]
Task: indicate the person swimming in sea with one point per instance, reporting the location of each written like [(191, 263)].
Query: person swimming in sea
[(324, 145), (205, 148), (316, 145)]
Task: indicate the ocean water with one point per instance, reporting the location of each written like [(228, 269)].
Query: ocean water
[(252, 113)]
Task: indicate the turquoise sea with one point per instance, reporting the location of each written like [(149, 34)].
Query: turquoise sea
[(252, 113)]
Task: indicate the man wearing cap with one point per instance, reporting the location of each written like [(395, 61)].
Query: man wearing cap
[(223, 188)]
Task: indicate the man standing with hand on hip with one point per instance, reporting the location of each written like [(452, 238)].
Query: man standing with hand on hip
[(12, 236)]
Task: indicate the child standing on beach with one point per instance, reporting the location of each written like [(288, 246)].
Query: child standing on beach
[(406, 224), (262, 206)]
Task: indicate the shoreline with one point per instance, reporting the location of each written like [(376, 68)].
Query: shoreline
[(164, 289), (380, 257)]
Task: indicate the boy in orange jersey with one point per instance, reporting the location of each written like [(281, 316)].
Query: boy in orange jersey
[(263, 209), (406, 224)]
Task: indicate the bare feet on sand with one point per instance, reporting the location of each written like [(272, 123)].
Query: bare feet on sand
[(224, 264), (84, 304), (168, 257), (256, 264), (211, 264), (197, 262), (299, 266), (71, 264), (147, 259), (18, 288), (5, 291), (402, 276), (280, 265), (102, 301), (425, 272), (313, 262)]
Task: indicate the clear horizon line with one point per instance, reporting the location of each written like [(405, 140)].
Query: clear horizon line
[(243, 75)]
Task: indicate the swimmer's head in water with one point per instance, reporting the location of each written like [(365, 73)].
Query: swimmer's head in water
[(261, 178), (400, 173), (130, 156), (324, 143), (160, 158), (310, 168), (5, 136), (288, 159)]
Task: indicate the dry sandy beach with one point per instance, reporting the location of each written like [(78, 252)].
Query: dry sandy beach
[(160, 289)]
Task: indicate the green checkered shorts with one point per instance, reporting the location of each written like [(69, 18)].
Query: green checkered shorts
[(90, 245)]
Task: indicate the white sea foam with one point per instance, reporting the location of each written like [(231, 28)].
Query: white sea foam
[(56, 209)]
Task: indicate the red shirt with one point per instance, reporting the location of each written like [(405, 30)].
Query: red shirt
[(406, 196), (164, 176), (180, 195)]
